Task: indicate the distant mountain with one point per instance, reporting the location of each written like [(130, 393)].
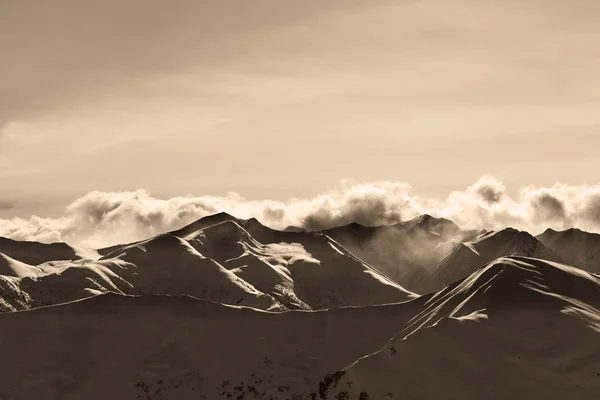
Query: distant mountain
[(468, 256), (170, 265), (575, 247), (242, 262), (518, 327), (35, 253), (219, 258), (300, 269), (436, 226), (403, 251)]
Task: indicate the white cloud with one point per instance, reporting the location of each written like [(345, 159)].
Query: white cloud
[(45, 230), (104, 218)]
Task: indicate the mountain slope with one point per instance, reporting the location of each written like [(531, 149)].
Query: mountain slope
[(467, 257), (403, 251), (11, 296), (63, 281), (300, 269), (575, 247), (170, 265), (520, 327), (16, 269), (35, 253)]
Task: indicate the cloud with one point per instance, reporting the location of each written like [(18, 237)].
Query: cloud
[(548, 206), (46, 230), (105, 218), (379, 203), (591, 205), (125, 216), (488, 189)]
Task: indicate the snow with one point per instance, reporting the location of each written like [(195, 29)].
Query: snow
[(14, 268)]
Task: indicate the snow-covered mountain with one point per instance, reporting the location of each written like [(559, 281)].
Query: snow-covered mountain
[(219, 258), (466, 257)]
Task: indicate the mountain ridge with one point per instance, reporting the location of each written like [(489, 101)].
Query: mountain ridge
[(217, 259)]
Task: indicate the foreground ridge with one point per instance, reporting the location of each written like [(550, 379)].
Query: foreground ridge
[(186, 348)]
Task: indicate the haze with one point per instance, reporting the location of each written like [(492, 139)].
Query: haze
[(278, 99)]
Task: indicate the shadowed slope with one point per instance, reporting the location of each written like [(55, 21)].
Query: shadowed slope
[(114, 347), (575, 247), (403, 251)]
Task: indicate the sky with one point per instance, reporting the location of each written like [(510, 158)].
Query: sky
[(278, 100)]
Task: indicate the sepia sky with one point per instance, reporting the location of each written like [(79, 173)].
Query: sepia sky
[(276, 99)]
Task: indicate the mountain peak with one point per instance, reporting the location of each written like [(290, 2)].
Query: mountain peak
[(432, 224), (350, 226), (574, 231), (512, 281), (420, 219), (205, 222), (253, 225)]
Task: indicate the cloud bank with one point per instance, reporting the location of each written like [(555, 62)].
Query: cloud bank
[(105, 218)]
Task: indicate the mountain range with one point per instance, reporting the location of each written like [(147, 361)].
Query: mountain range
[(229, 308)]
